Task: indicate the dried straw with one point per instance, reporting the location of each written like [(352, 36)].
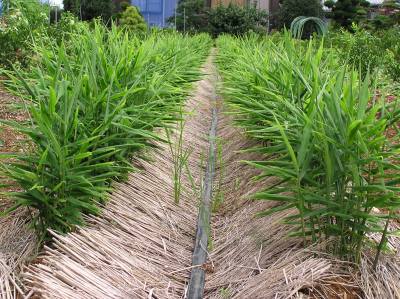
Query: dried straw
[(17, 245)]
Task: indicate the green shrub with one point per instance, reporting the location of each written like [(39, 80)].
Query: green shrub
[(390, 45), (67, 25), (382, 22), (24, 22), (346, 12), (291, 9), (237, 20), (368, 49), (191, 16), (132, 20), (361, 49), (87, 10), (393, 62)]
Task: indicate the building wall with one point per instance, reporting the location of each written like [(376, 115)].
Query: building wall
[(274, 6), (263, 4), (156, 12), (215, 3), (268, 5)]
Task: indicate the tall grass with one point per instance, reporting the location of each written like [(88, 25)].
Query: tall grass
[(180, 155), (94, 102), (322, 132)]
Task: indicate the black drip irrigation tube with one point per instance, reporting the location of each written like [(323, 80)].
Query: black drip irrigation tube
[(198, 274)]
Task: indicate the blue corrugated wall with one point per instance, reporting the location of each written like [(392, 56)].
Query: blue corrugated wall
[(156, 12)]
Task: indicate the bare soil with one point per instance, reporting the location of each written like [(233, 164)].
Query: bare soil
[(10, 140)]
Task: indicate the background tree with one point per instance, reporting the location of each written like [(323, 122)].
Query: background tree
[(132, 20), (73, 6), (392, 18), (24, 21), (291, 9), (383, 22), (237, 20), (391, 4), (90, 9), (191, 15), (346, 12), (121, 5)]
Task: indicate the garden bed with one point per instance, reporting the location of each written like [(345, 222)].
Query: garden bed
[(304, 196)]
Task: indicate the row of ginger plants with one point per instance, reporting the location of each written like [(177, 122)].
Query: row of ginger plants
[(323, 134), (93, 102)]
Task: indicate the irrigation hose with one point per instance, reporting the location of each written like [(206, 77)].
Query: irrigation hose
[(197, 276)]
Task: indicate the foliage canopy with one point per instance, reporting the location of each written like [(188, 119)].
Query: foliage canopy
[(191, 15), (347, 12), (90, 9), (237, 20), (132, 20), (24, 21), (291, 9)]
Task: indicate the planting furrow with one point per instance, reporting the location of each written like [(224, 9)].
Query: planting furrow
[(197, 277), (141, 245)]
